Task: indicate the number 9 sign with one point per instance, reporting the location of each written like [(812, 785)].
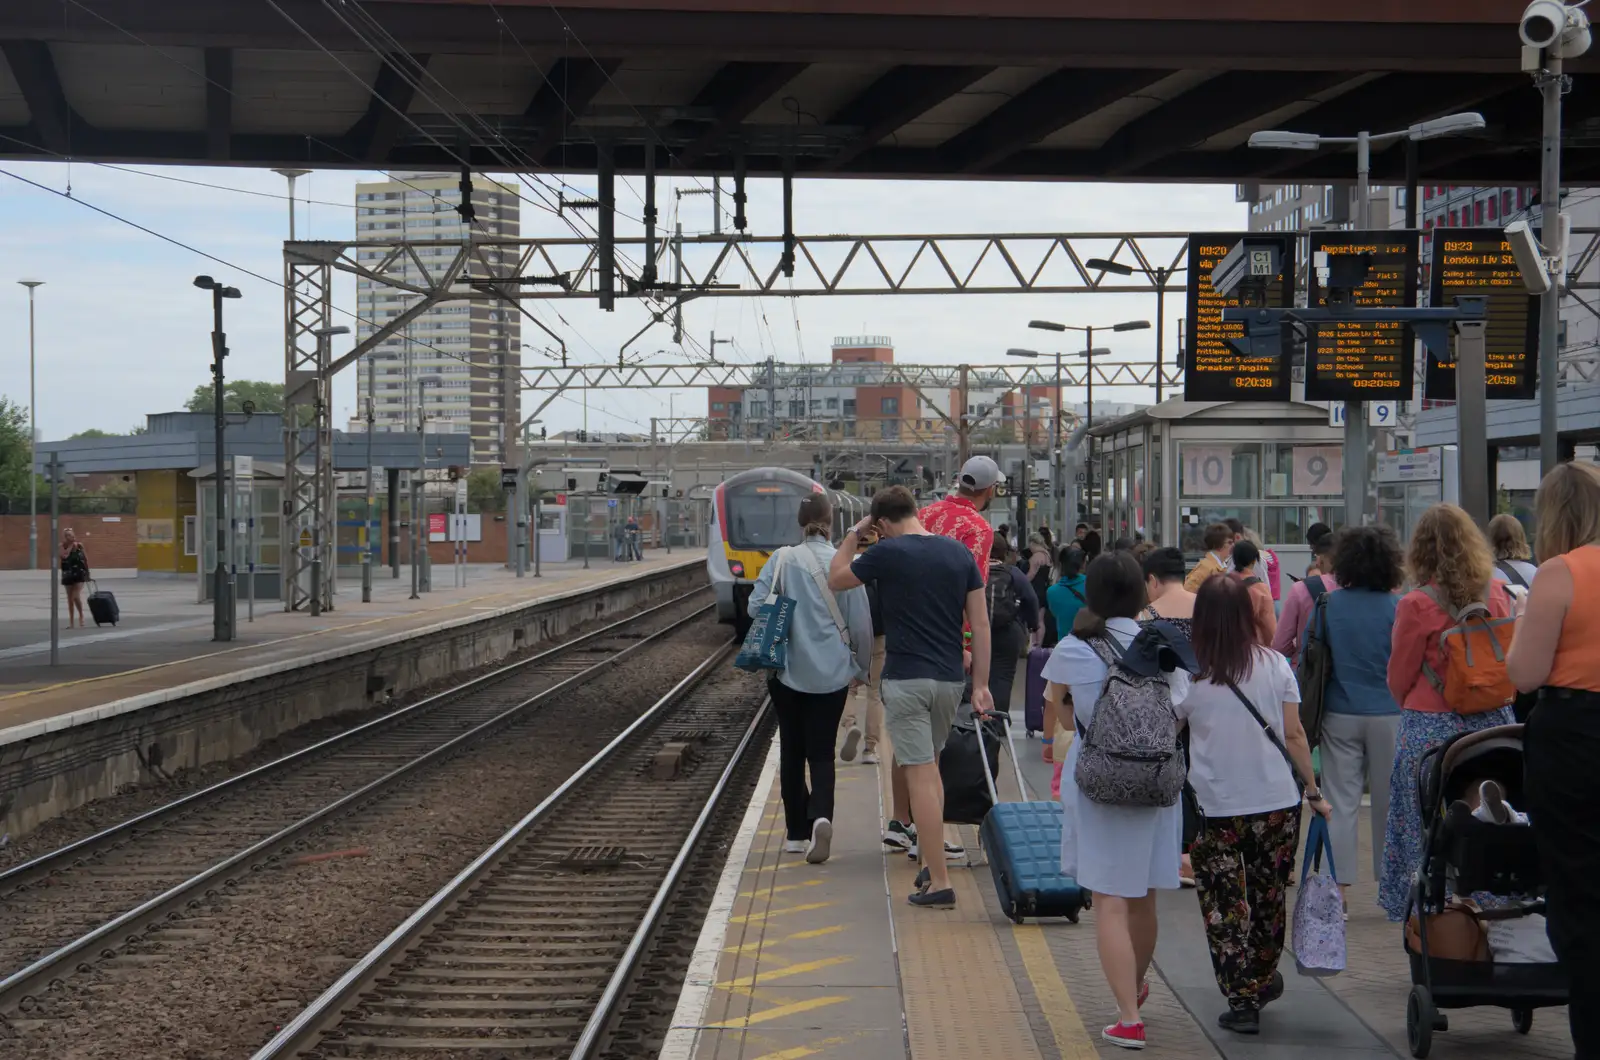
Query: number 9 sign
[(1318, 471)]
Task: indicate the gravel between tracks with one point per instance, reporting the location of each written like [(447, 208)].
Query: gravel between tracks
[(219, 981), (135, 799)]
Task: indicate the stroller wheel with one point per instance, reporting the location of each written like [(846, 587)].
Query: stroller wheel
[(1419, 1021), (1522, 1020)]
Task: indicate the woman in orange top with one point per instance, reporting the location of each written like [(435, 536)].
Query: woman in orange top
[(1557, 651), (1264, 614), (1450, 555)]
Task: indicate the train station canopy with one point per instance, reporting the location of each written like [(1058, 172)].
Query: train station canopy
[(1030, 89)]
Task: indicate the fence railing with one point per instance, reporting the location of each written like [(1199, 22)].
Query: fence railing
[(71, 505)]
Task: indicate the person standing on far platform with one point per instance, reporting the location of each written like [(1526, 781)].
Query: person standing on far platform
[(928, 588)]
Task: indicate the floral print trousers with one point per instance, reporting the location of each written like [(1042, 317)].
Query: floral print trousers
[(1242, 867)]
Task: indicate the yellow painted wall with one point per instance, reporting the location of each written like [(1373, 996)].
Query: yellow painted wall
[(164, 499)]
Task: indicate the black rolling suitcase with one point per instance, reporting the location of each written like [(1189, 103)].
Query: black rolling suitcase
[(103, 606), (1023, 841)]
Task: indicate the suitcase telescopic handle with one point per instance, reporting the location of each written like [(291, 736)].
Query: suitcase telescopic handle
[(1011, 749)]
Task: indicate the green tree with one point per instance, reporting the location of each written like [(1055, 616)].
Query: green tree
[(16, 451), (92, 432), (267, 397), (483, 490)]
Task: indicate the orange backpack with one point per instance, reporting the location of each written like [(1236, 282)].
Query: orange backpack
[(1474, 650)]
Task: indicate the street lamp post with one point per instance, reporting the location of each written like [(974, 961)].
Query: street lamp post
[(419, 483), (1088, 355), (33, 437), (1160, 274), (222, 611), (1358, 440)]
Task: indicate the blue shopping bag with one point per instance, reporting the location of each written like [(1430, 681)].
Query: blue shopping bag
[(766, 645)]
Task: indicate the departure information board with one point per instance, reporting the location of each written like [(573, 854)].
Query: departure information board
[(1479, 261), (1365, 361), (1213, 370)]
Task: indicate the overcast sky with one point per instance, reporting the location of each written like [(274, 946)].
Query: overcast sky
[(122, 332)]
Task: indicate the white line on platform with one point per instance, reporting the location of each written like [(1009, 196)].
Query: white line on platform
[(73, 640), (687, 1019)]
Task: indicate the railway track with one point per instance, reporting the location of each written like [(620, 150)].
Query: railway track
[(535, 948), (86, 901)]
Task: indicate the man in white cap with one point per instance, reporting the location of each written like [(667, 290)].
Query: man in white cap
[(959, 515)]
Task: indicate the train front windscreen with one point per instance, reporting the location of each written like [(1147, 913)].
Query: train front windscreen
[(763, 516)]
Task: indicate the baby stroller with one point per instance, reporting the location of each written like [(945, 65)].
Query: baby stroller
[(1472, 855)]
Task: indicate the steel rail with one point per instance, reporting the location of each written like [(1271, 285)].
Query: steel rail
[(615, 993), (16, 989), (49, 863), (302, 1032)]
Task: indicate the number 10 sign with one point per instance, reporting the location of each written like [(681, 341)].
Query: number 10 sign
[(1318, 471)]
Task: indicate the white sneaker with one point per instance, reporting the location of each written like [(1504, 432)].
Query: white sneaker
[(821, 840), (870, 758), (794, 846), (852, 740)]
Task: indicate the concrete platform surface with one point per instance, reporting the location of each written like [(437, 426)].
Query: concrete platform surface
[(164, 638), (829, 961)]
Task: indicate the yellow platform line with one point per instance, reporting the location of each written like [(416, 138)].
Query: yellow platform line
[(1055, 1001), (800, 1052), (798, 936), (778, 1013), (779, 890), (751, 918), (764, 977)]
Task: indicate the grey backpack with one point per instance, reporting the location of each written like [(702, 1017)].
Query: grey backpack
[(1128, 755)]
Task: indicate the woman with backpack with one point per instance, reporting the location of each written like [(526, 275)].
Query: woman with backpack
[(1554, 653), (1013, 616), (74, 575), (1509, 543), (1243, 712), (1360, 716), (1450, 562), (1121, 853)]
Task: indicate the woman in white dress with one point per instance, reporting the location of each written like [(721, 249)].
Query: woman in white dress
[(1122, 854)]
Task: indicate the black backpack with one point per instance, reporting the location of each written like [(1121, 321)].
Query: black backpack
[(1001, 596)]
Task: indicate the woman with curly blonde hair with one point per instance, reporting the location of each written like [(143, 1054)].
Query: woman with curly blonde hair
[(1450, 565)]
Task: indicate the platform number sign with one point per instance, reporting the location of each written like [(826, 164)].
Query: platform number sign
[(1379, 413), (1318, 471), (1208, 471)]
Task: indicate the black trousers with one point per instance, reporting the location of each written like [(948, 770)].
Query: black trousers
[(1005, 642), (808, 723), (1561, 746)]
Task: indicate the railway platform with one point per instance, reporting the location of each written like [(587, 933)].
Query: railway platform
[(163, 644), (829, 961)]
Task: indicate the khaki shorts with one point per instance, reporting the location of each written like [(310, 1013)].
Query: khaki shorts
[(918, 714)]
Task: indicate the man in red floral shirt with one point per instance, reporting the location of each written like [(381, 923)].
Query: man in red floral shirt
[(959, 515)]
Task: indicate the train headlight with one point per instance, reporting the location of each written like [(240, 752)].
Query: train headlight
[(737, 568)]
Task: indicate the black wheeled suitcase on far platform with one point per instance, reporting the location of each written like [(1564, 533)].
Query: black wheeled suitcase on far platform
[(103, 606), (1023, 843)]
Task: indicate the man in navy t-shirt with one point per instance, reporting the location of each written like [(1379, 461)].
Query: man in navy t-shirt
[(928, 586)]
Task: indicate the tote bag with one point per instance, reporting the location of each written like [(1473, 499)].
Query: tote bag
[(1318, 909), (766, 645)]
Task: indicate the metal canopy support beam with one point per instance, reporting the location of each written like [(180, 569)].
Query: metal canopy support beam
[(35, 71), (1001, 377), (733, 94), (893, 100), (1228, 100), (1050, 104), (219, 104), (375, 133), (569, 88), (307, 405)]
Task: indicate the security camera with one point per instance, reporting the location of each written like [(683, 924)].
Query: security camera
[(1253, 262), (1530, 257), (1555, 28)]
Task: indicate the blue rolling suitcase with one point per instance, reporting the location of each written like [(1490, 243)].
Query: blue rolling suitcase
[(1023, 841)]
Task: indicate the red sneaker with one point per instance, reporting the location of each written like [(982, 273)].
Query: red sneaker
[(1125, 1036)]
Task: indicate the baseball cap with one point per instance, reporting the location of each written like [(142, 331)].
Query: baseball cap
[(979, 473)]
